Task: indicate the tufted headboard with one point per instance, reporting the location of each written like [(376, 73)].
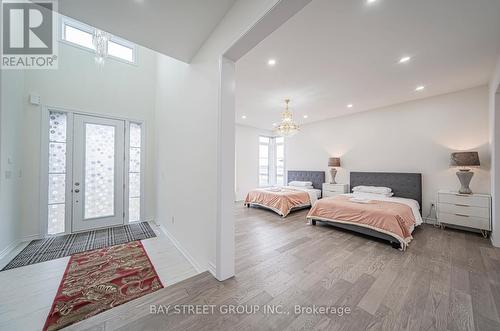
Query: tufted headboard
[(404, 185), (316, 177)]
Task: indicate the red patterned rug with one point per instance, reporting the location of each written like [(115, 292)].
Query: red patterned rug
[(98, 280)]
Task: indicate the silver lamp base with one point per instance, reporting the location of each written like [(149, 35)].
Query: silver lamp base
[(465, 177), (333, 173)]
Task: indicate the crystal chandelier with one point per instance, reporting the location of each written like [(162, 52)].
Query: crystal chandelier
[(287, 127), (100, 41)]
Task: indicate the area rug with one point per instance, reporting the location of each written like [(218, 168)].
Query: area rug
[(60, 246), (101, 279)]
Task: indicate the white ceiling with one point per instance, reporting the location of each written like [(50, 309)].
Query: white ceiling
[(172, 27), (338, 52)]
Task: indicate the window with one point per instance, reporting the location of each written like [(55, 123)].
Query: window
[(57, 172), (280, 160), (121, 49), (134, 174), (264, 149), (81, 35), (78, 36), (271, 161)]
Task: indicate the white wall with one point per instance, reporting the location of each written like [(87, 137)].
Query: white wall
[(494, 99), (11, 120), (417, 136), (187, 113), (247, 159), (117, 89)]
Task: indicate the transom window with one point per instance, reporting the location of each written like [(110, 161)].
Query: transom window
[(79, 34)]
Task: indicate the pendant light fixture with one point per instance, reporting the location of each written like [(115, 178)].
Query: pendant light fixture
[(287, 127)]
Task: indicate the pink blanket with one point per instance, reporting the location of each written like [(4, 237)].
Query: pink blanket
[(392, 218), (280, 200)]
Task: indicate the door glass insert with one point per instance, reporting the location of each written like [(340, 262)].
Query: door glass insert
[(99, 170)]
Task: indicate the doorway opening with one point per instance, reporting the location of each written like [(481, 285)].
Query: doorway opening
[(225, 231)]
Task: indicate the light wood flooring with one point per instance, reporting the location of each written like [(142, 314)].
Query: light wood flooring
[(26, 293), (446, 280)]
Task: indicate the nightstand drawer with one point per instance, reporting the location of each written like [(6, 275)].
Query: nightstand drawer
[(334, 189), (339, 188), (457, 199), (464, 220), (464, 210), (331, 194)]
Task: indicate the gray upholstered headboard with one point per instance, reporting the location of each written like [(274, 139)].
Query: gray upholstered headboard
[(404, 185), (316, 177)]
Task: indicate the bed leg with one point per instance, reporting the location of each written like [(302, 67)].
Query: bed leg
[(248, 205), (313, 222)]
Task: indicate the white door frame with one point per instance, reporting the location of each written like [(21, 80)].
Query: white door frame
[(270, 21), (44, 163), (495, 165)]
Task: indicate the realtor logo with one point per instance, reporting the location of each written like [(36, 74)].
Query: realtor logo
[(29, 38)]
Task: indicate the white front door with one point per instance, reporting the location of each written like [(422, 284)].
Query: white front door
[(98, 172)]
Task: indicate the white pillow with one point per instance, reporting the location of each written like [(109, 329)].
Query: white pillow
[(372, 189), (300, 184), (364, 195)]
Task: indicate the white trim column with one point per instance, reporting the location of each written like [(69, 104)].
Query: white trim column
[(225, 168)]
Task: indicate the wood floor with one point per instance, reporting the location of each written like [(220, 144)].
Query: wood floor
[(446, 280), (26, 293)]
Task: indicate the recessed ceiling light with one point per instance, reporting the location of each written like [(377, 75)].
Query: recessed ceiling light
[(371, 1), (271, 62), (306, 116), (404, 59), (420, 88), (350, 105), (244, 117), (275, 124)]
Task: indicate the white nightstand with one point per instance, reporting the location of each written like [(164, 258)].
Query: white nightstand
[(465, 210), (331, 190)]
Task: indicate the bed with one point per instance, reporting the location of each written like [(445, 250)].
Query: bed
[(283, 200), (389, 218)]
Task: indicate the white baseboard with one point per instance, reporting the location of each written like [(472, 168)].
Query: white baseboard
[(13, 246), (9, 249), (149, 220), (430, 220), (181, 249), (493, 240), (212, 269), (32, 237)]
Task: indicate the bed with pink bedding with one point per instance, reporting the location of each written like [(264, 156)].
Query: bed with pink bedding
[(282, 200), (395, 217), (392, 218)]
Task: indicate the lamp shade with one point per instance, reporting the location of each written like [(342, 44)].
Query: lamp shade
[(334, 162), (465, 159)]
